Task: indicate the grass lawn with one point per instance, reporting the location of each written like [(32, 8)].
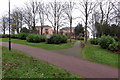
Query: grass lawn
[(19, 65), (95, 53), (39, 45)]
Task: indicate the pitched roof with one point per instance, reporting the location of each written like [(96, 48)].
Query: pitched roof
[(44, 26), (67, 28)]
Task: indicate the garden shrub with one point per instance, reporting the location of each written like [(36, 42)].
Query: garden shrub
[(63, 39), (94, 41), (119, 45), (81, 38), (0, 35), (42, 38), (14, 36), (113, 46), (22, 36), (105, 41), (57, 39), (35, 38), (29, 38), (4, 36), (24, 30), (116, 38)]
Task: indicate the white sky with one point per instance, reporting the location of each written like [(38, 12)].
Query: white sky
[(4, 8), (19, 3)]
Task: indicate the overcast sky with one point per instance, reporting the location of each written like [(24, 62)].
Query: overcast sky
[(19, 3), (4, 8)]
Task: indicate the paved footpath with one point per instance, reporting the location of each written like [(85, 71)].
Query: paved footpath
[(73, 51), (83, 68)]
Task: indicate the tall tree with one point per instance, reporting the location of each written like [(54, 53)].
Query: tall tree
[(116, 12), (41, 12), (29, 16), (69, 7), (105, 8), (17, 16), (54, 14), (34, 6), (87, 6), (4, 24), (79, 29)]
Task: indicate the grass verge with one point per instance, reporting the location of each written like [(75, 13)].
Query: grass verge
[(19, 65), (39, 45), (95, 53)]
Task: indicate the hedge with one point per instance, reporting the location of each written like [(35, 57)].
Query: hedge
[(35, 38), (57, 39), (22, 36)]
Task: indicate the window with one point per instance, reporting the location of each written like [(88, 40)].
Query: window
[(46, 31)]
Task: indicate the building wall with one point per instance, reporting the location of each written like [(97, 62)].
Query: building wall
[(66, 31), (46, 30)]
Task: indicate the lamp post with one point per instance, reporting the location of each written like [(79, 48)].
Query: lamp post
[(9, 29)]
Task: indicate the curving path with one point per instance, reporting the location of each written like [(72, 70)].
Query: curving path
[(73, 51), (80, 67)]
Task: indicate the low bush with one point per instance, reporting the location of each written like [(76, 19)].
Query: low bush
[(113, 46), (42, 38), (81, 38), (14, 36), (57, 39), (22, 36), (116, 38), (29, 38), (105, 41), (94, 41), (4, 36), (35, 38), (24, 30), (119, 45)]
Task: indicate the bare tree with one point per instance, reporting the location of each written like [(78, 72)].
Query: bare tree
[(87, 6), (69, 7), (4, 24), (54, 14), (59, 15), (41, 12), (17, 16), (29, 15), (105, 11), (34, 7), (116, 12), (109, 9)]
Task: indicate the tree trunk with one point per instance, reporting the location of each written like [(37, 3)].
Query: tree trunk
[(4, 31), (57, 29), (86, 16), (70, 29), (17, 30), (41, 30)]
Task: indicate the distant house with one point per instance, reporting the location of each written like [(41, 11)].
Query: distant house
[(45, 30), (48, 30), (66, 31), (89, 34)]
